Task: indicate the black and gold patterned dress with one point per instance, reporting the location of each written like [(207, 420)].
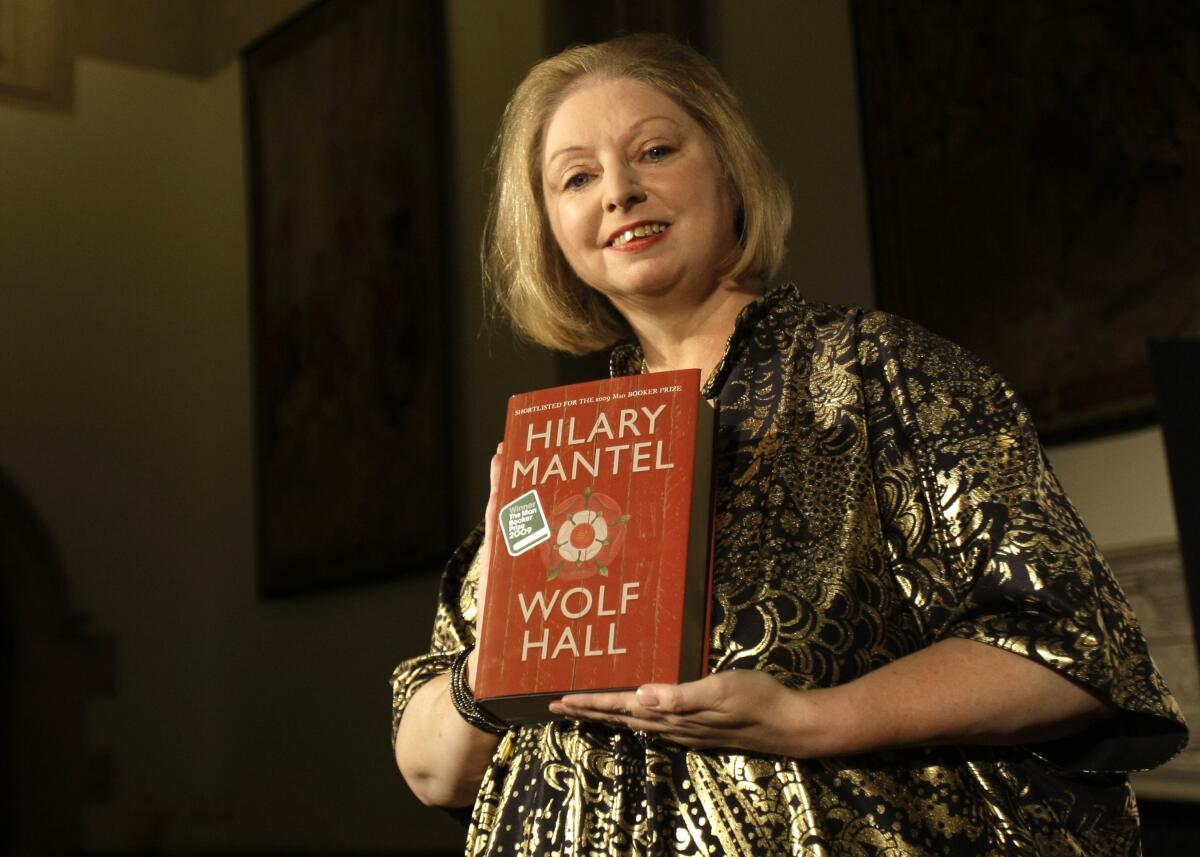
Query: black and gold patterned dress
[(878, 490)]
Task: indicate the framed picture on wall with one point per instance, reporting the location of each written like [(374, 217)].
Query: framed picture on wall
[(1152, 578), (1033, 173), (37, 56), (345, 155)]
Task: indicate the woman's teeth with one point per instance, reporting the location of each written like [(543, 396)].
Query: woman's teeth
[(638, 232)]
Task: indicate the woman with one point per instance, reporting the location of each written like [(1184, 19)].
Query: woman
[(916, 648)]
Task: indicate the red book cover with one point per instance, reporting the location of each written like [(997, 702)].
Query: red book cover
[(602, 559)]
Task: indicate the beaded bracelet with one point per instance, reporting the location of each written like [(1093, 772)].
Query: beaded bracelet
[(464, 698)]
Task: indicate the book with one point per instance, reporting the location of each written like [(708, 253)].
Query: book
[(601, 561)]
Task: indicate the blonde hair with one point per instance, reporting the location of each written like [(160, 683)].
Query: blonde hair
[(524, 271)]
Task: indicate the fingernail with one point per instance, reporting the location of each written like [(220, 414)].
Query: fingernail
[(647, 697)]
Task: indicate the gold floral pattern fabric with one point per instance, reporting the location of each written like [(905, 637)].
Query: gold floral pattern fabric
[(878, 490)]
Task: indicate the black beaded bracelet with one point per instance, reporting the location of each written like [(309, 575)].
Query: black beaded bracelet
[(464, 699)]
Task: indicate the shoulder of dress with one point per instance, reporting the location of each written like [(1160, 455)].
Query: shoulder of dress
[(913, 343), (785, 304)]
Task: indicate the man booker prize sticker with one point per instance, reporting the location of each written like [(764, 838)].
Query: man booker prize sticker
[(523, 523)]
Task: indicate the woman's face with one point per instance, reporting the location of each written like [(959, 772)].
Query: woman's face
[(634, 193)]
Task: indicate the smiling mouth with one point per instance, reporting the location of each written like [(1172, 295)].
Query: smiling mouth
[(645, 230)]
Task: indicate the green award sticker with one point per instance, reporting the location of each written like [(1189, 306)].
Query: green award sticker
[(523, 524)]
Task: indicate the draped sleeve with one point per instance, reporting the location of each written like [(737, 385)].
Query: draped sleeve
[(987, 547), (453, 627)]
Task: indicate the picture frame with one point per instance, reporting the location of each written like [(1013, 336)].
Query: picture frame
[(1033, 177), (37, 62), (345, 123), (1152, 578)]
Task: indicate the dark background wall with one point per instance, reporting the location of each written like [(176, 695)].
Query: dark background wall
[(230, 723)]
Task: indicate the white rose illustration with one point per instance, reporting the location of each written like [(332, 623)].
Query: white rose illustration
[(582, 536)]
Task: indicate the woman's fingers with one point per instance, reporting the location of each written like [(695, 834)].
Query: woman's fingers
[(695, 697), (739, 708), (489, 522), (599, 703), (697, 731), (489, 527), (684, 698), (495, 471), (626, 709)]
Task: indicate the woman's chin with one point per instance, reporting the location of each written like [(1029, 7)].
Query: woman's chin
[(648, 289)]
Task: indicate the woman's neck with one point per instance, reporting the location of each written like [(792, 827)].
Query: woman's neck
[(691, 336)]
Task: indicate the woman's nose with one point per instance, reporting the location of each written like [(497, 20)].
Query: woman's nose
[(622, 192)]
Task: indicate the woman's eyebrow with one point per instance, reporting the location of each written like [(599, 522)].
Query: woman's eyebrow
[(637, 126), (563, 152), (633, 129)]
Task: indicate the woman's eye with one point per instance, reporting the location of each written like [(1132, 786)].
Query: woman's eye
[(577, 181), (657, 153)]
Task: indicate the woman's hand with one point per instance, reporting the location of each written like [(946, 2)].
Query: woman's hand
[(743, 709), (485, 553), (953, 692)]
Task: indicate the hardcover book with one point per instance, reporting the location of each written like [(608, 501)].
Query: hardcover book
[(602, 557)]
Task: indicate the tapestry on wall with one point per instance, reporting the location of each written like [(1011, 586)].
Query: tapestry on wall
[(1033, 172), (345, 144)]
